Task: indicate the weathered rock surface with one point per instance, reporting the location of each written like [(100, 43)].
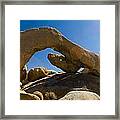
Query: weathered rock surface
[(40, 85), (23, 73), (60, 61), (50, 96), (61, 84), (80, 95), (28, 96), (37, 73), (39, 94), (66, 65), (34, 40)]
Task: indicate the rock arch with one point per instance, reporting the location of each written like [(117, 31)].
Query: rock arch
[(34, 40)]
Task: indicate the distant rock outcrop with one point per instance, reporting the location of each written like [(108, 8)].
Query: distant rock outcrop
[(37, 73)]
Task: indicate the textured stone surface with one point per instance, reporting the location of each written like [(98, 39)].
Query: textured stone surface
[(34, 40), (50, 96), (37, 73), (66, 65), (39, 94), (28, 96), (23, 73), (61, 62), (80, 95), (72, 59), (61, 84)]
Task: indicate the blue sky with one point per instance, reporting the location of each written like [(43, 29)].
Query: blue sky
[(85, 33)]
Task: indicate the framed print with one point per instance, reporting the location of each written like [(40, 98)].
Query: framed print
[(60, 60)]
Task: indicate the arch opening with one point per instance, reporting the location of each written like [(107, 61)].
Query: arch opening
[(39, 59)]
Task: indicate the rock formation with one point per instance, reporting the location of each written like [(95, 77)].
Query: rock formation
[(61, 84), (34, 40), (23, 73), (39, 94), (80, 95), (66, 65), (50, 96), (28, 96), (37, 73), (61, 62), (41, 85)]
